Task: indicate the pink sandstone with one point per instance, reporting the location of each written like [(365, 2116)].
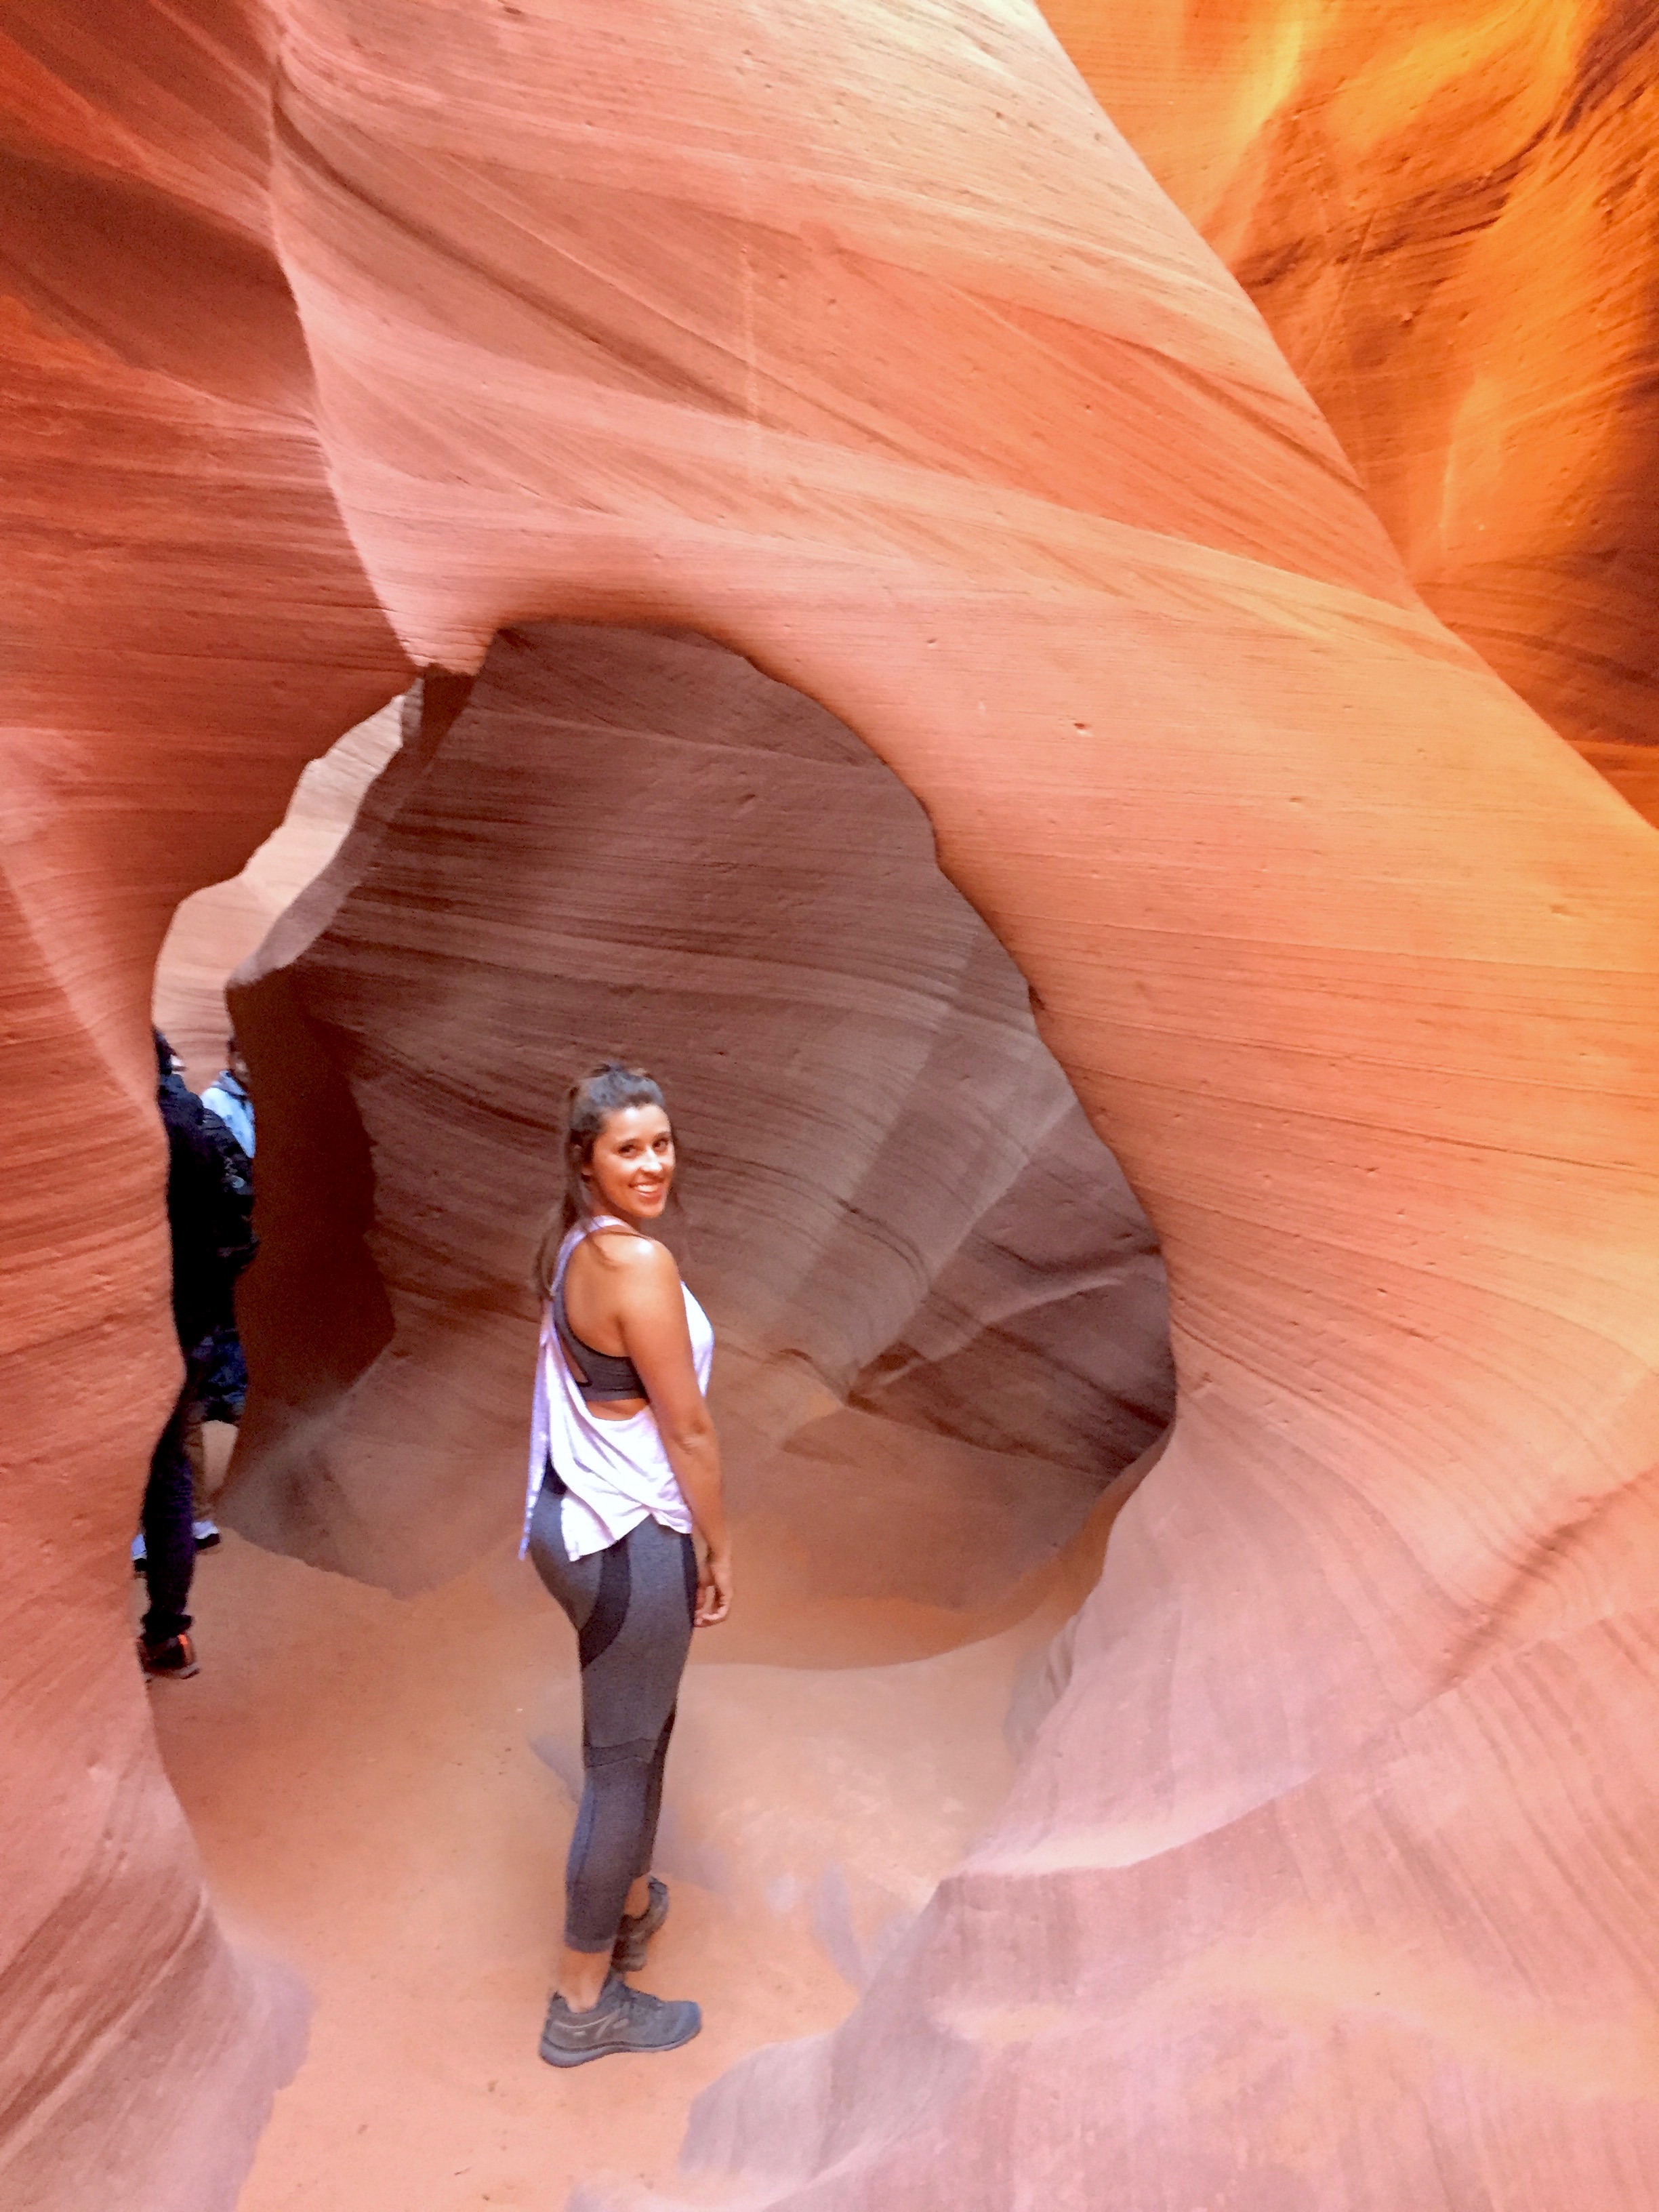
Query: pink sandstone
[(215, 929), (627, 840), (857, 340), (186, 622)]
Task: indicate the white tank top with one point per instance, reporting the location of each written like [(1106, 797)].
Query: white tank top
[(616, 1473)]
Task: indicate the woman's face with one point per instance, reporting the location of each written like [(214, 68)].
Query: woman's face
[(633, 1162)]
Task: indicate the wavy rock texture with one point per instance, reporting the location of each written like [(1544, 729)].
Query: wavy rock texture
[(185, 621), (854, 338), (861, 341), (1445, 214), (636, 841), (217, 928)]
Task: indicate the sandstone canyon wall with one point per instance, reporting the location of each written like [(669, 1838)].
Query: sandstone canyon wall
[(637, 843), (1446, 214), (856, 338), (215, 928), (185, 621)]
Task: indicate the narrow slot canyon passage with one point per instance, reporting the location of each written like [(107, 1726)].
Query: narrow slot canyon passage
[(1206, 456), (942, 1342)]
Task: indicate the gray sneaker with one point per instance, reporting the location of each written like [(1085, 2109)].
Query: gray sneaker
[(624, 2019), (628, 1954)]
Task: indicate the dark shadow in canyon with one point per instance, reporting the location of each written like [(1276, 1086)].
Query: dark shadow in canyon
[(942, 1332), (941, 1311)]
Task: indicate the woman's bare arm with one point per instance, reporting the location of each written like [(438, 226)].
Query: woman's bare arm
[(650, 1313)]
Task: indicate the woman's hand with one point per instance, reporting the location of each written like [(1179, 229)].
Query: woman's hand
[(713, 1589)]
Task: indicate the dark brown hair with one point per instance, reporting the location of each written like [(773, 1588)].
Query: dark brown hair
[(589, 1104)]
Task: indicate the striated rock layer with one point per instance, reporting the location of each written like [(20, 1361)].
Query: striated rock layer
[(217, 928), (637, 842), (862, 343), (1445, 213), (857, 339), (185, 621)]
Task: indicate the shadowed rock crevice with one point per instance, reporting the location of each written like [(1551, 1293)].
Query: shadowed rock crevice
[(635, 841)]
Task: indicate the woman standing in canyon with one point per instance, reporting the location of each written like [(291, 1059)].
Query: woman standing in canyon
[(624, 1469)]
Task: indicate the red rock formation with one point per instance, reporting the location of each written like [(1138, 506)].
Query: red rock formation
[(855, 337), (1444, 213), (1363, 1037), (215, 928), (185, 621), (635, 841)]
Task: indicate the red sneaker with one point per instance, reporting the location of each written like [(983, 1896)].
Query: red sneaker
[(175, 1656)]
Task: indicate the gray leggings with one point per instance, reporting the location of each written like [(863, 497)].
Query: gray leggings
[(631, 1606)]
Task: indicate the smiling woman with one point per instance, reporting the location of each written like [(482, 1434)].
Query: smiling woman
[(624, 1466)]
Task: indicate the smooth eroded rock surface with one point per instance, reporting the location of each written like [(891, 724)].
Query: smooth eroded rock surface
[(185, 624), (1445, 213), (635, 842), (1345, 952), (214, 930), (857, 339)]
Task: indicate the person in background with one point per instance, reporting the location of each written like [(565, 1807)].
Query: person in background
[(209, 1211), (225, 1388), (228, 1097), (224, 1378)]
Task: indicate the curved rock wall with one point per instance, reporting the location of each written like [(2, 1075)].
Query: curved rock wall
[(1444, 213), (185, 621), (217, 928), (637, 842), (856, 338), (1365, 1038)]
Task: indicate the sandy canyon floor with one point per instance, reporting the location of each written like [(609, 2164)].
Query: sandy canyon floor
[(382, 1791)]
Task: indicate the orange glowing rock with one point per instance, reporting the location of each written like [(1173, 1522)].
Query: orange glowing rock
[(856, 337), (1444, 213)]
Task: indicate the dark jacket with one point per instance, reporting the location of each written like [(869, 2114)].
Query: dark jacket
[(209, 1213)]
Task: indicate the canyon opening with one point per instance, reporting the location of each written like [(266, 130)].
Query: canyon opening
[(943, 1341), (1205, 454)]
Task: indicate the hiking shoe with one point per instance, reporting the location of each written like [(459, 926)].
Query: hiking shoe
[(628, 1954), (206, 1533), (624, 2019), (173, 1656)]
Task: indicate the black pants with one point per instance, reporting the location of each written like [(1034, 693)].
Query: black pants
[(632, 1607), (169, 1520)]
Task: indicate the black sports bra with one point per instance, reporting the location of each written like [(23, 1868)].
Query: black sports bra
[(601, 1376)]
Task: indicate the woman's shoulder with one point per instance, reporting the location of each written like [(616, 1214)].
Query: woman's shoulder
[(636, 1258)]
